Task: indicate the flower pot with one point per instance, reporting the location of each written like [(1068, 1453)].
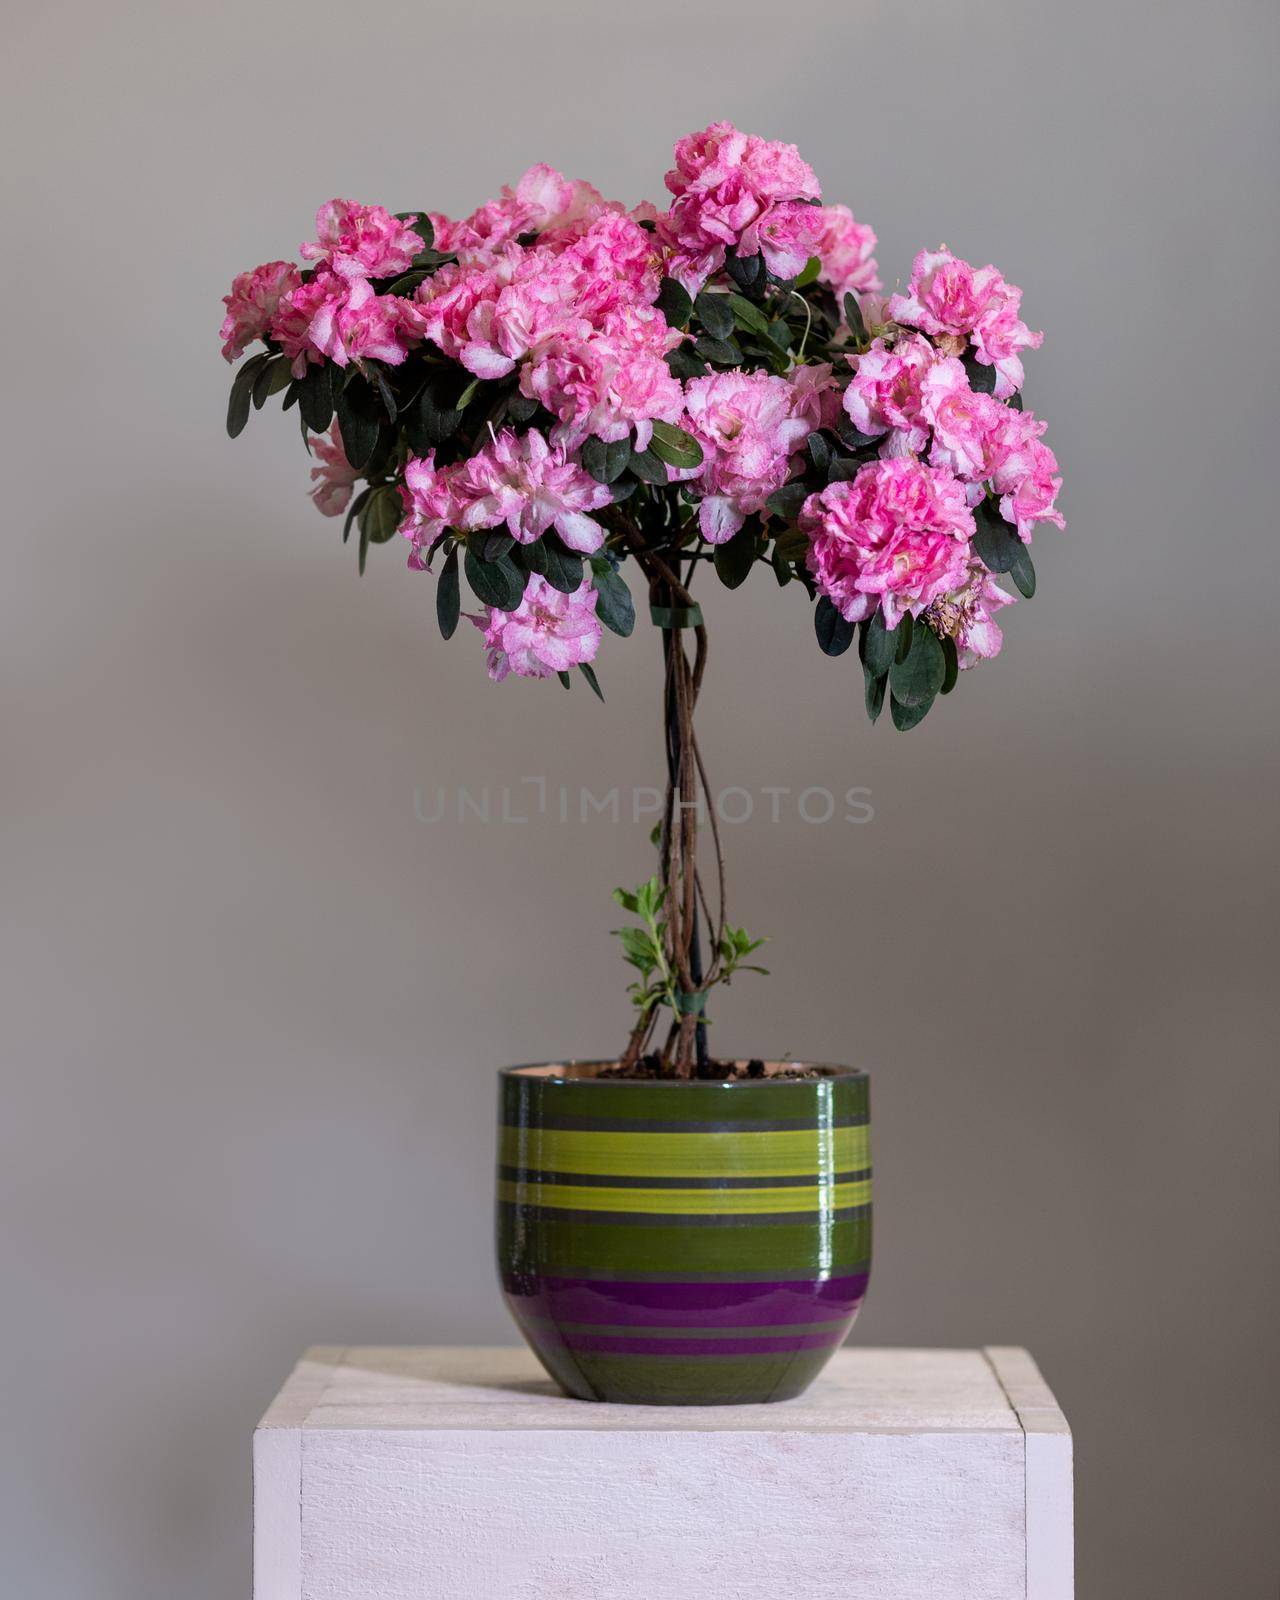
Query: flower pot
[(666, 1242)]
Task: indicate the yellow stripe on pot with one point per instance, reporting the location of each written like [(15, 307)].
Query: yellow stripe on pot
[(764, 1201), (781, 1153)]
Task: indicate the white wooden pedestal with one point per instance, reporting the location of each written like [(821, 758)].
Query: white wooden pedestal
[(439, 1474)]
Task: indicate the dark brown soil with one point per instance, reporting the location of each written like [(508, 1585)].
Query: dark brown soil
[(650, 1067)]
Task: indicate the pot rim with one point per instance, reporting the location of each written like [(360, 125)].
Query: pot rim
[(568, 1072)]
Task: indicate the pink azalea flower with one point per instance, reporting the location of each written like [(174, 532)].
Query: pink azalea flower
[(334, 477), (356, 323), (846, 248), (1026, 477), (968, 427), (548, 632), (733, 189), (431, 505), (291, 325), (543, 202), (529, 485), (608, 382), (885, 390), (362, 241), (948, 297), (967, 615), (896, 537), (252, 304), (748, 427)]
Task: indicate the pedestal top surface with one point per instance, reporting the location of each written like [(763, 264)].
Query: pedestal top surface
[(366, 1387)]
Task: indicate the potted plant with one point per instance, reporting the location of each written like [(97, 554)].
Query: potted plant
[(553, 393)]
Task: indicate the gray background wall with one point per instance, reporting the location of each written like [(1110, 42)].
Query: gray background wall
[(253, 1005)]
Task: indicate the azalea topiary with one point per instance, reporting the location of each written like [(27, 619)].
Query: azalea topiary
[(557, 385)]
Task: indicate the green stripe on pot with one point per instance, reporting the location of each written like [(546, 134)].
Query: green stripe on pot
[(719, 1203), (741, 1152), (551, 1242)]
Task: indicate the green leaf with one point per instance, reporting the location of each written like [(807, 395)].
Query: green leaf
[(606, 462), (449, 596), (793, 545), (781, 568), (953, 665), (566, 682), (735, 558), (812, 267), (491, 544), (495, 583), (315, 398), (902, 633), (674, 446), (467, 395), (835, 635), (853, 317), (384, 513), (874, 692), (675, 303), (359, 417), (786, 502), (354, 510), (647, 467), (996, 540), (1023, 572), (270, 380), (879, 646), (747, 315), (819, 451), (242, 393), (588, 672), (627, 900), (614, 605), (564, 567), (384, 390), (434, 418), (409, 282), (917, 679), (715, 314), (748, 272), (907, 717), (982, 377), (531, 557), (719, 352), (682, 363)]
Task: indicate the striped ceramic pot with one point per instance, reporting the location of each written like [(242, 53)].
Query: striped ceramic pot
[(683, 1243)]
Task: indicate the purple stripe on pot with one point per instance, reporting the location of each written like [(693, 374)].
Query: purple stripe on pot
[(641, 1345), (692, 1305)]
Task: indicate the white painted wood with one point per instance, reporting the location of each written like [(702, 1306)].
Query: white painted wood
[(277, 1476), (410, 1474), (1050, 1515)]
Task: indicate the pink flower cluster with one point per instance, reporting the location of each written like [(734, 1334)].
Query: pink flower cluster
[(253, 303), (521, 482), (923, 400), (553, 291), (846, 250), (548, 632), (896, 536), (749, 425), (334, 477), (736, 191), (947, 297)]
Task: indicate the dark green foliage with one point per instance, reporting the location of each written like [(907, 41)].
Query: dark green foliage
[(606, 462), (674, 303), (735, 558), (614, 605), (496, 583), (835, 635), (449, 595)]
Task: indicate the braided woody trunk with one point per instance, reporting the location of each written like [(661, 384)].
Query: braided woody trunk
[(684, 1050)]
